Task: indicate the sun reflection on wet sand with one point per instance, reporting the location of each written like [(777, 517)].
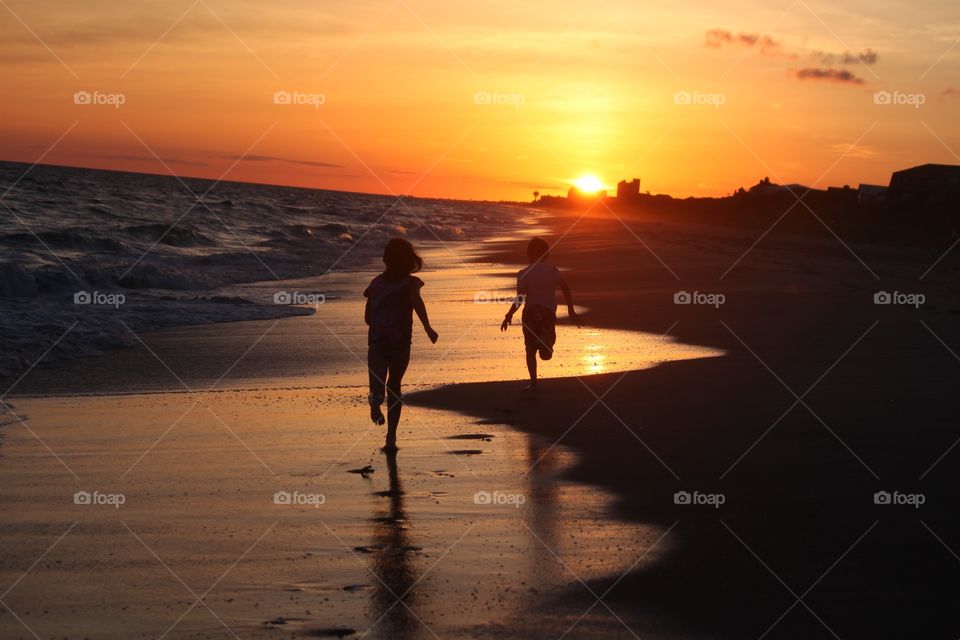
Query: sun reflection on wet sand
[(594, 360), (432, 539)]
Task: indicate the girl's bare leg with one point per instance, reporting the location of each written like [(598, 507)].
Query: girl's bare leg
[(377, 370), (396, 369)]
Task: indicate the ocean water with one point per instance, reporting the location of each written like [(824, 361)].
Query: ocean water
[(89, 259)]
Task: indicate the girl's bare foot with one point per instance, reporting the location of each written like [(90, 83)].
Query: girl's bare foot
[(376, 415), (391, 445), (389, 448)]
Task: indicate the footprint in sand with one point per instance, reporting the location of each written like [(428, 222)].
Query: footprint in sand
[(388, 520), (364, 472), (330, 632), (502, 421), (280, 621), (358, 587)]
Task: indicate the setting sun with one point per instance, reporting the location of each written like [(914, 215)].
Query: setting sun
[(588, 184)]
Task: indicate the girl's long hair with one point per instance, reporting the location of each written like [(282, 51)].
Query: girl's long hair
[(401, 258)]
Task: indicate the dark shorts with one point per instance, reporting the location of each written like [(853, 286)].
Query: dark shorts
[(539, 329), (389, 350)]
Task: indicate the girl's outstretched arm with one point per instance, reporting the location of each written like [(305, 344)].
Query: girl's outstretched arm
[(574, 318), (421, 309)]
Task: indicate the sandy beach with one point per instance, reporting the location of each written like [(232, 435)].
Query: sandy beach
[(198, 429), (225, 481), (822, 400)]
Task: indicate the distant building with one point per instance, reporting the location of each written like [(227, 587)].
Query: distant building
[(628, 190), (926, 184), (842, 196), (765, 186), (869, 194)]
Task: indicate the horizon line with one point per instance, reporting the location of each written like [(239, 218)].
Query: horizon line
[(370, 193)]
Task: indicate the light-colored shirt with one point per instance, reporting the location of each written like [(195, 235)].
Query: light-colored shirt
[(538, 285)]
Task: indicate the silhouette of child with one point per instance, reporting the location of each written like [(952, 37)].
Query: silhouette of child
[(392, 297), (536, 291)]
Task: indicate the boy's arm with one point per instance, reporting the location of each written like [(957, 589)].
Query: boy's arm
[(507, 319), (421, 308), (366, 312), (574, 318)]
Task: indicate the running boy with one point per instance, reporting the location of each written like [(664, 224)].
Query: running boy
[(536, 291)]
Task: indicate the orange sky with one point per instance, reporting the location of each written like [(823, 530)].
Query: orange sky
[(485, 100)]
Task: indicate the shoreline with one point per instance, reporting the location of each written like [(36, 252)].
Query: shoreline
[(320, 347)]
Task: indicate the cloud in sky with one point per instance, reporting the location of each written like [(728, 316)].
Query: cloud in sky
[(850, 150), (768, 46), (841, 76), (151, 159), (308, 163), (867, 56), (717, 38)]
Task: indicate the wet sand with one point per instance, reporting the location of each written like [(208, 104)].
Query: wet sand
[(823, 399), (401, 550), (235, 465)]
